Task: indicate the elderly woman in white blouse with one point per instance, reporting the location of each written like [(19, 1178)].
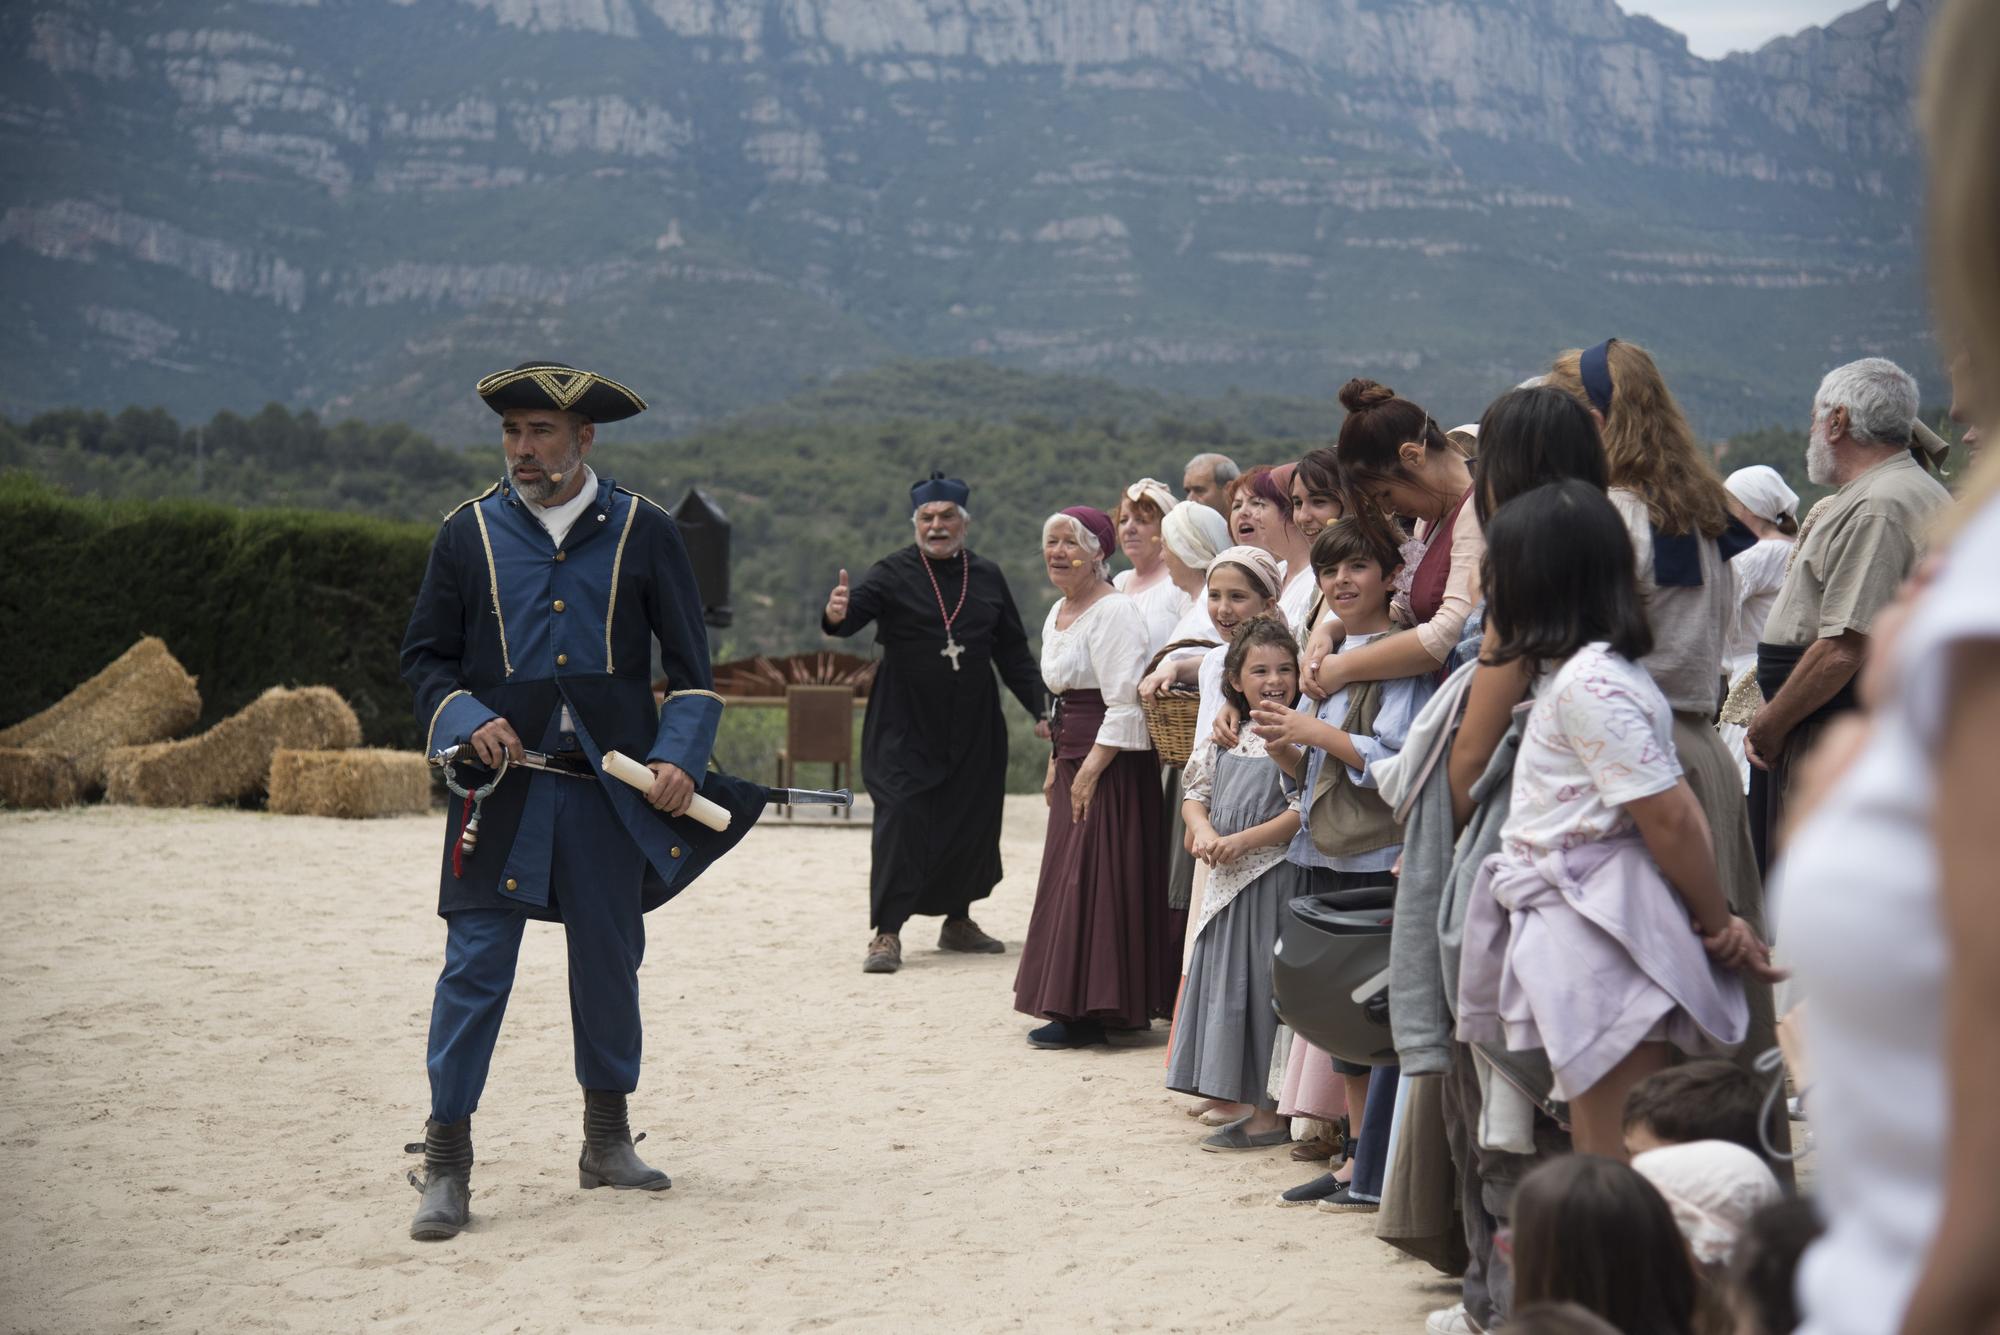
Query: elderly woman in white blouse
[(1102, 954)]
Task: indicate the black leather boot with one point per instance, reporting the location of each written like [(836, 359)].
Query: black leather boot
[(447, 1184), (608, 1159)]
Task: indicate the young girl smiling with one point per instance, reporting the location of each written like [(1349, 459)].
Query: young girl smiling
[(1243, 582), (1241, 823)]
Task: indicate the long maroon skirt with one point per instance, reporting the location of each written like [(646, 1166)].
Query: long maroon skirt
[(1102, 943)]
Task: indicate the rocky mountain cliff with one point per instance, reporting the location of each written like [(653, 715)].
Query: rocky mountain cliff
[(360, 206)]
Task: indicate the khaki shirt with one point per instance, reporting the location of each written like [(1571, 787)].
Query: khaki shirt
[(1858, 554)]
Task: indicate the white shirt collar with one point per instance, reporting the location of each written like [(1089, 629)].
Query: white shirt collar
[(559, 519)]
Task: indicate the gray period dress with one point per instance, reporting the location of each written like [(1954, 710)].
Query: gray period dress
[(1224, 1035)]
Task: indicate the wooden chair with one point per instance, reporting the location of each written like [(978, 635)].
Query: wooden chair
[(819, 730)]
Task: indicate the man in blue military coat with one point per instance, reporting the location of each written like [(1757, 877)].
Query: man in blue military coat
[(535, 629)]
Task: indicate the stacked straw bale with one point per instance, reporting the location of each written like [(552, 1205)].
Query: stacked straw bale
[(38, 779), (53, 758), (232, 760), (352, 785)]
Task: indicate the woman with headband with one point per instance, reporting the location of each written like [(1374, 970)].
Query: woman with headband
[(1140, 516), (1677, 511), (1099, 960)]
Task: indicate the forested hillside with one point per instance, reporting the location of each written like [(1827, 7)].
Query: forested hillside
[(810, 485)]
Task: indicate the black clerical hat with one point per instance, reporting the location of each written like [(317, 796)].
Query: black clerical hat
[(545, 384), (938, 487)]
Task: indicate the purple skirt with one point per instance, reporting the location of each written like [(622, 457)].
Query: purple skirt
[(1102, 943)]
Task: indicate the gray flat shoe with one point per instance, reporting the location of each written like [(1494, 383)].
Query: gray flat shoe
[(1234, 1137)]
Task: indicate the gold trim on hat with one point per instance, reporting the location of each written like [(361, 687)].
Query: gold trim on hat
[(493, 584), (675, 695), (564, 384)]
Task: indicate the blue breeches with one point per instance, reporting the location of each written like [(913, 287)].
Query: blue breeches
[(595, 877)]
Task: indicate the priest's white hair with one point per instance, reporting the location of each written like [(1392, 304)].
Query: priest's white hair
[(1100, 560), (963, 513)]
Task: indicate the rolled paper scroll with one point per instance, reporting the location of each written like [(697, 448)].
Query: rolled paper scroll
[(627, 770)]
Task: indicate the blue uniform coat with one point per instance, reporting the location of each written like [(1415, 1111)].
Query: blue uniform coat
[(510, 625)]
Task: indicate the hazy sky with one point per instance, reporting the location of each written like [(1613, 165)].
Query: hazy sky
[(1716, 27)]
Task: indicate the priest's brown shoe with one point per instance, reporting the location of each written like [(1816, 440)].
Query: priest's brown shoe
[(963, 934), (885, 954)]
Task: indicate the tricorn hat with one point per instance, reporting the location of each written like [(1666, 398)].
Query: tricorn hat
[(546, 384)]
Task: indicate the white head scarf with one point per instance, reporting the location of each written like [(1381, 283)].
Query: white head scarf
[(1150, 489), (1763, 491), (1713, 1187), (1194, 532), (1258, 562)]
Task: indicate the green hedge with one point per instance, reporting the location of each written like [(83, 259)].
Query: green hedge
[(250, 599), (246, 599)]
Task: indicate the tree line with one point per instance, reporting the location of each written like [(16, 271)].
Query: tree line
[(808, 488)]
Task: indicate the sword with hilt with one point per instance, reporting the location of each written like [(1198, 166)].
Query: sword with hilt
[(618, 766)]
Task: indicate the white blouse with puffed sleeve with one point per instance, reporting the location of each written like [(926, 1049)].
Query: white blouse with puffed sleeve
[(1104, 650)]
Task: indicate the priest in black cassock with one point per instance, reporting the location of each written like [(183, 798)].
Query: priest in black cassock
[(934, 746)]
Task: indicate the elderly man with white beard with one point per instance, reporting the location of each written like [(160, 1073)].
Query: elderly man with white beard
[(1855, 552), (934, 744)]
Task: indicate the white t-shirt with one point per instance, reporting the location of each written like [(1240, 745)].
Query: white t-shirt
[(1161, 603), (1856, 897), (1599, 735), (1210, 680), (1296, 599), (1194, 625), (1103, 650), (1760, 573)]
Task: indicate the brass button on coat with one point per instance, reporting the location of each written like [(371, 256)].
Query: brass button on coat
[(562, 660), (562, 556), (513, 884), (559, 604), (674, 852)]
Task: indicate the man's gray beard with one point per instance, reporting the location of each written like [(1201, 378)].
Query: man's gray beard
[(1820, 466), (541, 493)]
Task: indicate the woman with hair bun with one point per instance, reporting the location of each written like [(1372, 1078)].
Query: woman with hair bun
[(1394, 458), (1100, 957)]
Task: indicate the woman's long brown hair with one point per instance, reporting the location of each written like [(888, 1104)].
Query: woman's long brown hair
[(1649, 444)]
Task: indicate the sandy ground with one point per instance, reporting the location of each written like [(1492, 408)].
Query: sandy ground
[(211, 1054)]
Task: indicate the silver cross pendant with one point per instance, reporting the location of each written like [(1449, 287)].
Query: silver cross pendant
[(952, 649)]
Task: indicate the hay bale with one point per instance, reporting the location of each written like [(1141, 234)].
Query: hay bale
[(31, 779), (144, 695), (232, 760), (352, 785)]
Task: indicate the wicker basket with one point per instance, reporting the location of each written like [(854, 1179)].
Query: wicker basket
[(1170, 718)]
